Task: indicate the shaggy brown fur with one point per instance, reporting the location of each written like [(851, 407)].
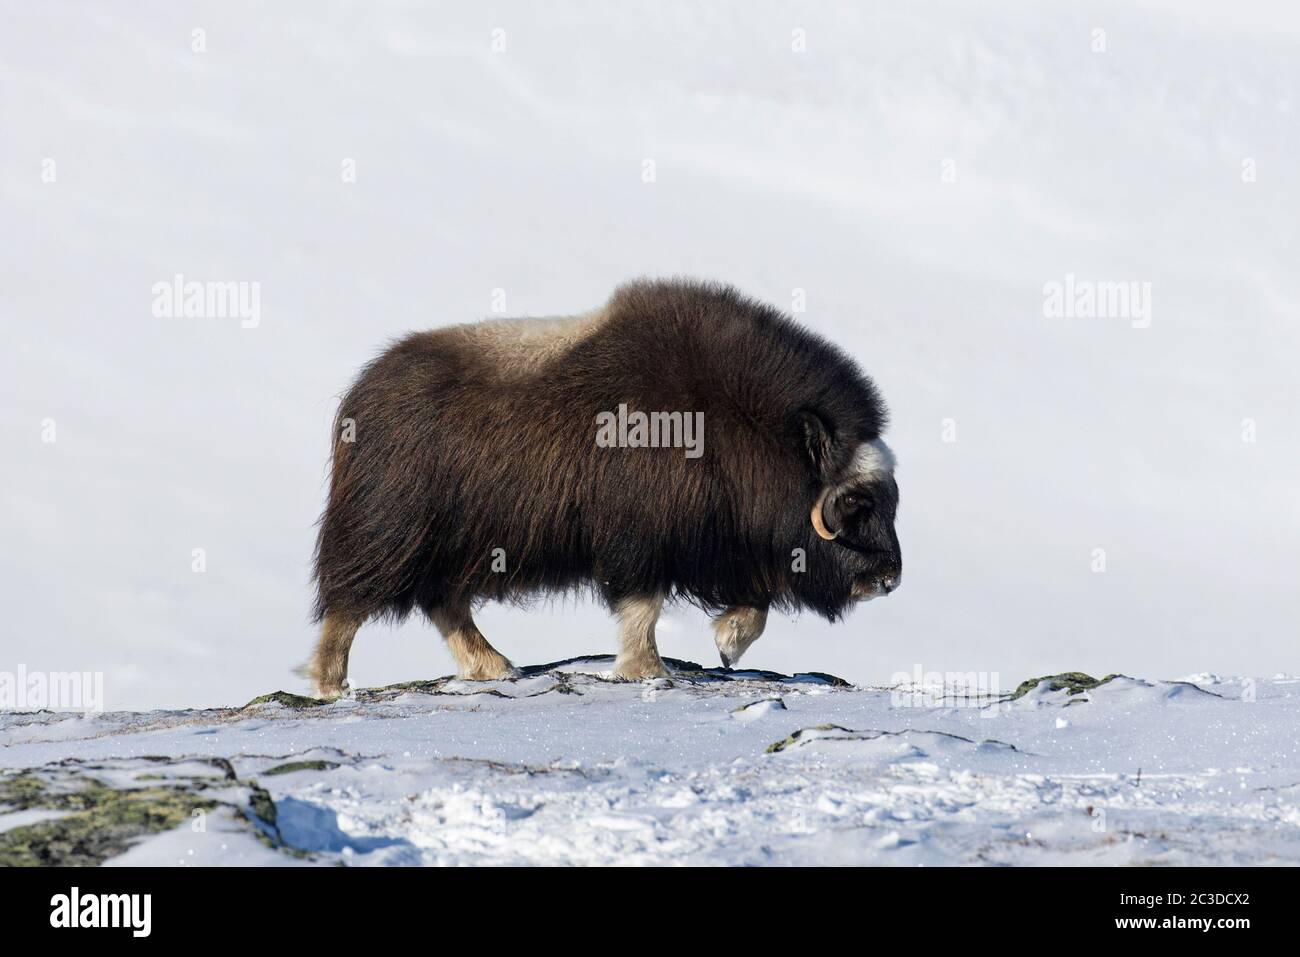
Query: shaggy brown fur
[(475, 474)]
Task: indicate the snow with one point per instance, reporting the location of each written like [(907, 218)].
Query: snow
[(521, 170), (567, 766), (24, 818)]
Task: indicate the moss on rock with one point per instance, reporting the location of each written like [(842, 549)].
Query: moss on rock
[(286, 698), (1071, 682), (777, 705), (292, 766), (793, 739), (98, 822), (260, 803)]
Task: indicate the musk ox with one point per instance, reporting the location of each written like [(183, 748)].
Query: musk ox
[(680, 442)]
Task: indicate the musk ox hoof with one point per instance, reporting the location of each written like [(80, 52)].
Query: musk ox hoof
[(332, 692), (490, 671), (735, 630), (639, 669)]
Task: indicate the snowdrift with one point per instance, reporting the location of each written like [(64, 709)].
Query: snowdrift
[(564, 766)]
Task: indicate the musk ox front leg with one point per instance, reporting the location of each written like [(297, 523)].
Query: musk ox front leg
[(638, 656), (476, 660), (735, 630)]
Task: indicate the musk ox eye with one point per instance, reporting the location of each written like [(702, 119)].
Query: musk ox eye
[(853, 502)]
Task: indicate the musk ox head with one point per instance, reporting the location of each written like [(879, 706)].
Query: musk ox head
[(854, 511)]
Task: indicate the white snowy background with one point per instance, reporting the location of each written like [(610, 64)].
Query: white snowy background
[(776, 170)]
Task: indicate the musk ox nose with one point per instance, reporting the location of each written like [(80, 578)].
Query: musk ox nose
[(889, 582)]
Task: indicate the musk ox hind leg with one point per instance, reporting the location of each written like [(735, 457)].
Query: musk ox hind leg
[(735, 630), (476, 660), (638, 656), (328, 668)]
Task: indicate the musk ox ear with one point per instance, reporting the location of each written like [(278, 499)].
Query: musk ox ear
[(819, 442)]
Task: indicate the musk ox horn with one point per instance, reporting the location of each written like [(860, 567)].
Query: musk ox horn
[(818, 523)]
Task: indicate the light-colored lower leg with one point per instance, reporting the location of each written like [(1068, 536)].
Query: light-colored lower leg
[(638, 657), (476, 660), (735, 630), (328, 668)]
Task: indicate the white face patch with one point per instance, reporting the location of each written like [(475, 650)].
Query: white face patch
[(872, 459)]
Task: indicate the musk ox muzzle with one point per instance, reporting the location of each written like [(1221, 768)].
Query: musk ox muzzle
[(511, 458)]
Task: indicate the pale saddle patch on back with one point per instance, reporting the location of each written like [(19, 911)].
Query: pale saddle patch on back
[(518, 348)]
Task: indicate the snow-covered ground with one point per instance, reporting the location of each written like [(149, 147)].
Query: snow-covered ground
[(565, 766)]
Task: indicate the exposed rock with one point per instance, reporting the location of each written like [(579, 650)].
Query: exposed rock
[(100, 822), (286, 698), (293, 766), (834, 732), (1071, 682)]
